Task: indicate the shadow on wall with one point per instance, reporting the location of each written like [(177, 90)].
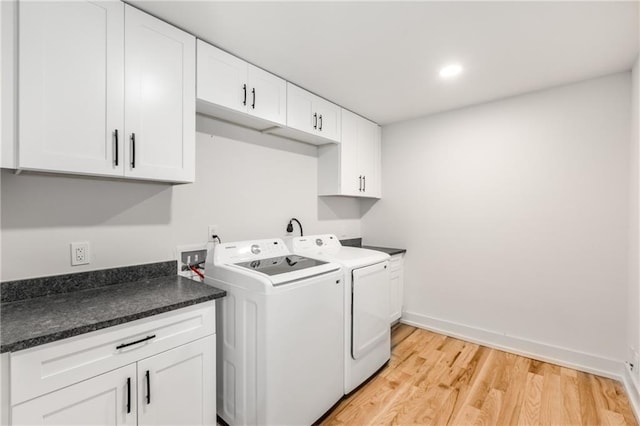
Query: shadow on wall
[(32, 200), (212, 126), (367, 204), (338, 208)]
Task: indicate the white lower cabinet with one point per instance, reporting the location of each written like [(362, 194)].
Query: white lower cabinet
[(396, 273), (102, 400), (152, 372), (177, 386)]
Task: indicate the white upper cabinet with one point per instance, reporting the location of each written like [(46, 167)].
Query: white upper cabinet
[(268, 97), (222, 78), (352, 168), (310, 118), (159, 99), (88, 87), (71, 87), (228, 85)]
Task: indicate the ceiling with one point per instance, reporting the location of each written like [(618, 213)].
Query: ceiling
[(381, 59)]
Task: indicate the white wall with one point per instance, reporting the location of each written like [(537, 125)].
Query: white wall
[(515, 218), (247, 183)]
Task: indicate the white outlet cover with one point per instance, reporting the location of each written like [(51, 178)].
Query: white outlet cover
[(80, 254)]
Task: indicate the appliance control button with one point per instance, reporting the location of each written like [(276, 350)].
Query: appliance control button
[(255, 249), (319, 242)]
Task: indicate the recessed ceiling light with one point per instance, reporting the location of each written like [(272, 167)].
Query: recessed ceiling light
[(451, 70)]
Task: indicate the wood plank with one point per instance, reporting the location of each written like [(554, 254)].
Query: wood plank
[(530, 411), (439, 380), (570, 399), (400, 332)]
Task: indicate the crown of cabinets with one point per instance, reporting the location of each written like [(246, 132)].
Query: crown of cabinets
[(105, 89), (352, 168)]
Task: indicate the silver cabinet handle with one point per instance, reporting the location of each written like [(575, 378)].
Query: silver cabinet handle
[(364, 184), (360, 187)]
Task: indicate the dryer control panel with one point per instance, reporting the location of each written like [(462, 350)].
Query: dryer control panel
[(315, 241)]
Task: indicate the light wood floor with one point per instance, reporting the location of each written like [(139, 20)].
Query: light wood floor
[(438, 380)]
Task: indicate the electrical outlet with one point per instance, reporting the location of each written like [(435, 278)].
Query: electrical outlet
[(213, 230), (80, 253)]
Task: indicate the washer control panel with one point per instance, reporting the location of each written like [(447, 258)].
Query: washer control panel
[(243, 251)]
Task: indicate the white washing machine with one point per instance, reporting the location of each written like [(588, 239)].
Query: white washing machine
[(280, 338), (366, 303)]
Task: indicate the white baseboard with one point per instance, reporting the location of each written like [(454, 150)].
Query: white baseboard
[(632, 387), (537, 350)]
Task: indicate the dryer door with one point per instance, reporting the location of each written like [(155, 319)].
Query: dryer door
[(369, 308)]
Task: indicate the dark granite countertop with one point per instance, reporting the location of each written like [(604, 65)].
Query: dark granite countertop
[(389, 251), (357, 242), (36, 321)]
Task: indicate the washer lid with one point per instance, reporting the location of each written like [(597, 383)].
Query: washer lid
[(281, 264)]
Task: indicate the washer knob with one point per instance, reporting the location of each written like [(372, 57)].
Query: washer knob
[(319, 242), (255, 249)]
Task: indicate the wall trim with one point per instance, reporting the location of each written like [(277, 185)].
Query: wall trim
[(632, 386), (565, 357)]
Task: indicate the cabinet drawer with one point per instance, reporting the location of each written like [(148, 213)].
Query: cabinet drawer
[(52, 366)]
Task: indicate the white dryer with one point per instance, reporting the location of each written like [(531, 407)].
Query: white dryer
[(366, 303), (280, 339)]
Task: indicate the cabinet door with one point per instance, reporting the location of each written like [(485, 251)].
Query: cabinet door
[(395, 303), (369, 157), (222, 78), (351, 175), (159, 99), (101, 400), (268, 96), (397, 287), (71, 86), (178, 387), (329, 119), (300, 109)]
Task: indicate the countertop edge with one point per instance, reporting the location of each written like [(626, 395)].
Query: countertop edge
[(88, 328), (390, 251)]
